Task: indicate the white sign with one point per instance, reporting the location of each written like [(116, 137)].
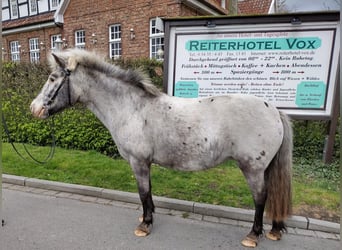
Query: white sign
[(293, 67)]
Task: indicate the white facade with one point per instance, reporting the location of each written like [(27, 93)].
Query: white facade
[(15, 9)]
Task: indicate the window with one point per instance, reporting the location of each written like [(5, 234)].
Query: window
[(34, 50), (80, 39), (14, 8), (54, 4), (15, 51), (115, 41), (33, 7), (53, 40), (156, 41)]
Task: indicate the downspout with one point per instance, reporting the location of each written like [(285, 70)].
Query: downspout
[(59, 14)]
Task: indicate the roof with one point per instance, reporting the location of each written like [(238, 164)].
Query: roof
[(254, 6), (30, 20)]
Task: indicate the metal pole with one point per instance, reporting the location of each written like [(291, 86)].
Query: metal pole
[(332, 125)]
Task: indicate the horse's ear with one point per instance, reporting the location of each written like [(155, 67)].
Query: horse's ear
[(72, 63), (59, 61)]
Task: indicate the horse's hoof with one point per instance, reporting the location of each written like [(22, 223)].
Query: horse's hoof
[(249, 242), (140, 233), (143, 230), (273, 235)]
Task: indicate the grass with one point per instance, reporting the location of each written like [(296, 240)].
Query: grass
[(313, 184)]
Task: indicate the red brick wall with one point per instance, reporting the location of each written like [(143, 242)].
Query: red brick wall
[(254, 6), (96, 16), (44, 35)]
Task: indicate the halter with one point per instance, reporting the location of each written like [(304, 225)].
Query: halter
[(65, 80)]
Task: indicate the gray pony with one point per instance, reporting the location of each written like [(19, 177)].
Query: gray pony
[(149, 126)]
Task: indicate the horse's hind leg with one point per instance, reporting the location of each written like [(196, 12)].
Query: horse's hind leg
[(276, 231), (256, 183), (142, 174)]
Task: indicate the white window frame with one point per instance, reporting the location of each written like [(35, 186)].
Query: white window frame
[(34, 50), (80, 37), (14, 9), (15, 51), (115, 46), (33, 7), (53, 40), (156, 41), (54, 4)]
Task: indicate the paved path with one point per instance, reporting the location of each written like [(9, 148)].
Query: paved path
[(47, 219)]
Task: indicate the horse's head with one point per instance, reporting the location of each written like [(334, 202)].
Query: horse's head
[(56, 92)]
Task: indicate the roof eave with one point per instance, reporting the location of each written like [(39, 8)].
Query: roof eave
[(28, 28)]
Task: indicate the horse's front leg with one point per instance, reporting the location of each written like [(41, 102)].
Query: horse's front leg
[(142, 174)]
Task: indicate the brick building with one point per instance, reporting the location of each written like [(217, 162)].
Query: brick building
[(111, 27), (256, 6)]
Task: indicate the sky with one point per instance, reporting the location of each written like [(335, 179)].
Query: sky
[(312, 5)]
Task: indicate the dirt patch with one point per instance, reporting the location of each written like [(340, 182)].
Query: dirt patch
[(317, 212)]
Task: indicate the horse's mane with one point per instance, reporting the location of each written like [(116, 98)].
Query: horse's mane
[(135, 77)]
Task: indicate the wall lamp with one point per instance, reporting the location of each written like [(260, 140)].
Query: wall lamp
[(60, 43), (20, 50), (65, 43), (93, 38), (42, 45), (132, 34), (160, 53)]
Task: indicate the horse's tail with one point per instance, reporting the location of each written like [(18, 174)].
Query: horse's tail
[(278, 177)]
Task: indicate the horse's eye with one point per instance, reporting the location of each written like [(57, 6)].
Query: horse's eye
[(52, 79)]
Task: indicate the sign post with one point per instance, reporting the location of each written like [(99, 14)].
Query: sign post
[(332, 127), (288, 60)]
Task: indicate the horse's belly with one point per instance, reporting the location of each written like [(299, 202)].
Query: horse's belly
[(193, 158), (256, 149)]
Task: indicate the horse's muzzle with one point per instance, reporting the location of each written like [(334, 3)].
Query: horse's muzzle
[(40, 112)]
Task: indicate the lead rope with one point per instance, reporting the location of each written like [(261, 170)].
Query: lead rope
[(11, 141), (53, 145)]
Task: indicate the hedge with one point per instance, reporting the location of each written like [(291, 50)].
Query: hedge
[(78, 128)]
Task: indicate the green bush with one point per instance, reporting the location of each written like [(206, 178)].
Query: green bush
[(309, 139), (75, 128), (78, 128)]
